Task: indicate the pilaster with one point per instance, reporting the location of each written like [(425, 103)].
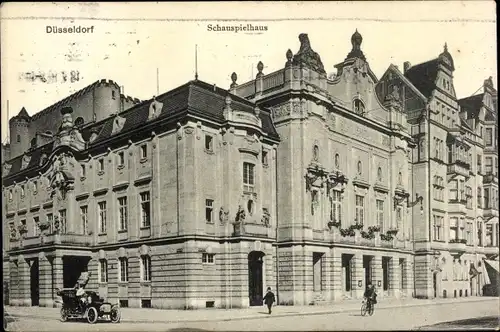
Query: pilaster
[(336, 274), (45, 285), (358, 285), (394, 277), (377, 275), (23, 269), (57, 275)]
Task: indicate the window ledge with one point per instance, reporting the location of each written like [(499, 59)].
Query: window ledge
[(122, 231), (120, 167), (100, 173), (143, 160), (145, 227), (82, 178), (123, 283), (146, 283), (209, 151)]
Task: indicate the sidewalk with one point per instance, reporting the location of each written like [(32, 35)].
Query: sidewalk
[(139, 315)]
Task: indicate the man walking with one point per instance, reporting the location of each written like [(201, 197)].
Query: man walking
[(269, 299)]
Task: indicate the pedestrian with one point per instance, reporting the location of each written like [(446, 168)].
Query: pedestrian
[(269, 299)]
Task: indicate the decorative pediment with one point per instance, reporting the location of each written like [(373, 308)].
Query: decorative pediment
[(118, 123), (6, 169), (25, 162), (154, 109)]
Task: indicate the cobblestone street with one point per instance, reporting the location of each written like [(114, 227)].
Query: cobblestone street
[(391, 315)]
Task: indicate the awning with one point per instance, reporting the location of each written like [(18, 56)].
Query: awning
[(493, 264)]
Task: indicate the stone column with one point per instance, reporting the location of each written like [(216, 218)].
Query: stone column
[(357, 276), (377, 275), (408, 277), (45, 285), (57, 276), (423, 277), (23, 269), (394, 277), (14, 292), (336, 274)]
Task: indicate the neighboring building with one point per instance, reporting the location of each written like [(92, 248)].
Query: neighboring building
[(93, 103), (314, 186), (458, 232)]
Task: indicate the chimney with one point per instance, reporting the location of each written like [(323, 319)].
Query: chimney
[(406, 66)]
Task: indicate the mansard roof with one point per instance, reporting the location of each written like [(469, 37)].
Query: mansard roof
[(472, 105), (423, 76), (193, 98)]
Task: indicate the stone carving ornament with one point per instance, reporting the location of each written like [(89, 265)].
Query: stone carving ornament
[(266, 217), (306, 55), (240, 215), (223, 215)]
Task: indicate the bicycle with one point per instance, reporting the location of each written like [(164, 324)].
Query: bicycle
[(367, 306)]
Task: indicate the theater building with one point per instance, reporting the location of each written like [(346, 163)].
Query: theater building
[(309, 184)]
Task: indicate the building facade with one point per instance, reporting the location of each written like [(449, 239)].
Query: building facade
[(312, 185)]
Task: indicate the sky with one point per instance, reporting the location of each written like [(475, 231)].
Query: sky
[(131, 42)]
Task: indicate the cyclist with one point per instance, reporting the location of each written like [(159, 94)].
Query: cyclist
[(370, 295)]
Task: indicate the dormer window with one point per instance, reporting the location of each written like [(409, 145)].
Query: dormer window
[(359, 107), (101, 165), (121, 159), (10, 195), (209, 143), (22, 191), (35, 186)]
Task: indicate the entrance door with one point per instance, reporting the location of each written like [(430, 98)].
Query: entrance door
[(367, 266), (255, 275), (35, 282), (73, 266), (317, 271)]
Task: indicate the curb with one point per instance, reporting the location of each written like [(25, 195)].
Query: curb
[(260, 316)]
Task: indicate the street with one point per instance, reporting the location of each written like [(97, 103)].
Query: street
[(468, 316)]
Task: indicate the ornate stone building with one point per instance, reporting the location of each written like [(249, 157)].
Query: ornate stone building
[(310, 184)]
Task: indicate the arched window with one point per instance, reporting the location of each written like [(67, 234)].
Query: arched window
[(79, 121), (315, 152), (359, 107), (400, 178), (337, 161), (379, 174), (360, 167)]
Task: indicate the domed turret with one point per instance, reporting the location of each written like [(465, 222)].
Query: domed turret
[(446, 58), (356, 40)]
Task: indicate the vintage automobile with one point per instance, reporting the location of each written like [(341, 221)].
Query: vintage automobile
[(89, 306)]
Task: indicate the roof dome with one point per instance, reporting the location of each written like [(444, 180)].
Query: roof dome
[(356, 39)]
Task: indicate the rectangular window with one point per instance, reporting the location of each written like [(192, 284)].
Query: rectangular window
[(144, 151), (488, 165), (103, 271), (468, 235), (36, 225), (479, 197), (35, 187), (468, 196), (336, 208), (248, 177), (62, 221), (438, 228), (385, 272), (84, 217), (50, 221), (264, 158), (145, 210), (209, 143), (488, 140), (453, 190), (462, 190), (209, 210), (360, 209), (207, 258), (22, 191), (399, 217), (145, 268), (122, 214), (489, 235), (453, 229), (121, 159), (479, 163), (101, 165), (486, 198), (123, 267), (380, 215), (102, 217), (83, 171)]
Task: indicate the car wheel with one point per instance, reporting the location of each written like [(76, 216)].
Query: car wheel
[(64, 314), (92, 315), (115, 314)]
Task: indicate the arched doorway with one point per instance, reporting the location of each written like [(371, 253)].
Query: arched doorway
[(255, 277)]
